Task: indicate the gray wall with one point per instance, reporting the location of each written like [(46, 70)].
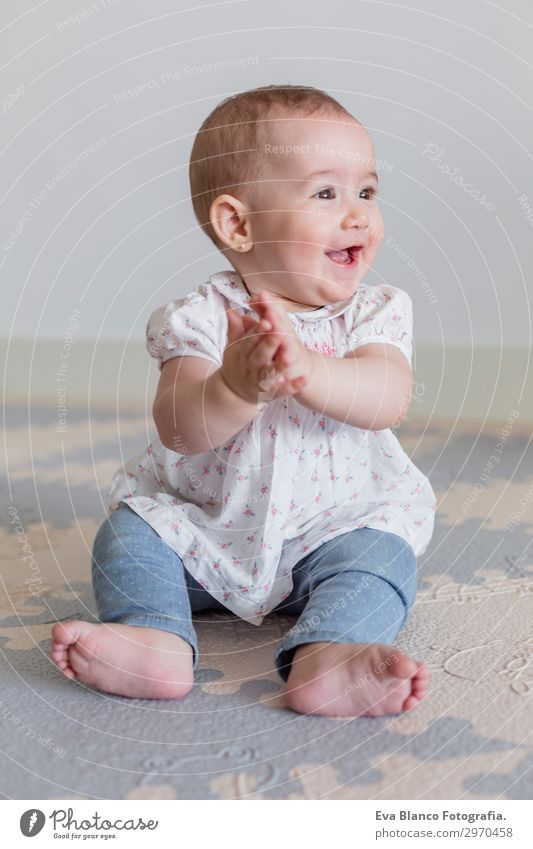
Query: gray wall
[(100, 113)]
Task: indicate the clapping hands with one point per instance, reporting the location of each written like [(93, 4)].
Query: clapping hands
[(264, 359)]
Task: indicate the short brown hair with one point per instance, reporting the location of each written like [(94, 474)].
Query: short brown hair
[(224, 153)]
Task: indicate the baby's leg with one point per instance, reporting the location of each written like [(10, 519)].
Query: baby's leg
[(338, 660), (146, 646)]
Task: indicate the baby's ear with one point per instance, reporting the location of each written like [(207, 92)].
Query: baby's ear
[(230, 221)]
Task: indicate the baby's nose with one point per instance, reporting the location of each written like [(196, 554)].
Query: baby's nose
[(355, 221)]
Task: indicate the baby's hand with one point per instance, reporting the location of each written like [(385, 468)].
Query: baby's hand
[(248, 362), (292, 360)]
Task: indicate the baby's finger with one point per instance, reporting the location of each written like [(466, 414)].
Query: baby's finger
[(283, 356), (265, 350), (254, 335)]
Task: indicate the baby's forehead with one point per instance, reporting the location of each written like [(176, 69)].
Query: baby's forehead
[(313, 142)]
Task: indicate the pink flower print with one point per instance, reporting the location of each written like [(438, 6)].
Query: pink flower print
[(348, 478), (329, 453), (227, 498), (166, 330), (226, 596), (251, 539), (274, 510), (142, 468), (417, 490), (315, 478), (206, 470), (292, 504), (333, 476), (177, 463), (227, 448), (254, 570), (191, 343), (228, 524), (305, 548), (216, 565), (188, 323), (239, 449), (406, 507), (263, 489), (273, 431), (250, 426), (175, 526), (243, 588), (317, 498), (242, 477), (316, 451), (395, 316), (224, 545), (376, 476), (324, 348), (249, 512), (326, 513), (266, 587), (193, 552), (322, 424), (203, 583), (149, 451), (219, 468), (296, 420), (391, 486), (210, 503), (160, 465), (354, 494), (386, 454), (236, 561)]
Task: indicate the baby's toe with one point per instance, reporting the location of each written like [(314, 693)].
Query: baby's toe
[(410, 702)]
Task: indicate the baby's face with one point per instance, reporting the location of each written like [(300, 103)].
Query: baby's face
[(315, 223)]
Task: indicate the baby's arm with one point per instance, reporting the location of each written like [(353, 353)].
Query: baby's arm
[(199, 407), (368, 389)]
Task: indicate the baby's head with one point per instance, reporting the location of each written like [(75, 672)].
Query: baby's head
[(283, 181)]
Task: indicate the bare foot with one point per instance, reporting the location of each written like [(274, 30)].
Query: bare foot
[(128, 660), (354, 679)]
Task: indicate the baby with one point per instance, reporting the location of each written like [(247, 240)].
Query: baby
[(275, 483)]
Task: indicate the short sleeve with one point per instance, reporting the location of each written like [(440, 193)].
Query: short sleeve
[(383, 314), (194, 326)]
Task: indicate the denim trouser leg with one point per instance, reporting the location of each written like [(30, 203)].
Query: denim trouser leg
[(356, 588), (139, 580)]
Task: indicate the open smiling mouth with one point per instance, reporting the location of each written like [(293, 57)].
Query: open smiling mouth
[(348, 256)]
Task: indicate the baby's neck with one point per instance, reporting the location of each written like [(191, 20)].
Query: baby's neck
[(310, 309)]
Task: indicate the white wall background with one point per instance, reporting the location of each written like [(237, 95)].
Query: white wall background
[(116, 94)]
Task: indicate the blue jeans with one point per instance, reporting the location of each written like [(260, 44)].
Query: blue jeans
[(356, 588)]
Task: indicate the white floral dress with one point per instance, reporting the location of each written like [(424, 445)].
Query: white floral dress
[(242, 515)]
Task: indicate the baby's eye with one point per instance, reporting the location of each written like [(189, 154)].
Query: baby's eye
[(371, 191), (323, 194)]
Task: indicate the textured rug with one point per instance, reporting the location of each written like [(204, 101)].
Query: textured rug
[(231, 738)]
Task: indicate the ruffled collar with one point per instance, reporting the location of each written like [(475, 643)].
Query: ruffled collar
[(231, 285)]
